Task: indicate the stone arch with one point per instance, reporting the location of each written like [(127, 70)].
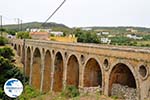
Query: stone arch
[(123, 74), (73, 71), (58, 72), (36, 69), (47, 72), (92, 73), (28, 61), (12, 44), (19, 50)]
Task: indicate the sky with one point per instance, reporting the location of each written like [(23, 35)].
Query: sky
[(79, 13)]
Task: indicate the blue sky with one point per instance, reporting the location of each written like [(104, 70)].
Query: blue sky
[(77, 13)]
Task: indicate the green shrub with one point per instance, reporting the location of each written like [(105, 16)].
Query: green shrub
[(23, 35), (1, 93), (29, 93), (70, 91), (3, 41), (114, 97), (6, 52)]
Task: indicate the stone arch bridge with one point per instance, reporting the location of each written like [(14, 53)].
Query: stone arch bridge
[(51, 66)]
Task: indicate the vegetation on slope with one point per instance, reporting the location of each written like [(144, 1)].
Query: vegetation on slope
[(8, 69)]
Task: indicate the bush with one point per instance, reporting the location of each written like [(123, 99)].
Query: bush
[(1, 93), (8, 70), (29, 93), (3, 41), (6, 52), (23, 35), (70, 91)]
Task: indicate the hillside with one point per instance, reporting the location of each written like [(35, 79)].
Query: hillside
[(36, 25), (120, 28)]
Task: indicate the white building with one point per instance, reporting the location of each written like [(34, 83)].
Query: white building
[(133, 36), (105, 40), (56, 33), (102, 33), (39, 30), (86, 29)]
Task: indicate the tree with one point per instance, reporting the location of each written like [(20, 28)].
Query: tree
[(2, 30), (7, 53), (23, 35), (3, 41), (8, 70), (11, 32), (86, 37)]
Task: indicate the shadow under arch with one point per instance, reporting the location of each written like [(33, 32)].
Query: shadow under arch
[(15, 46), (121, 74), (28, 61), (58, 72), (19, 50), (92, 74), (73, 71), (36, 69), (47, 72)]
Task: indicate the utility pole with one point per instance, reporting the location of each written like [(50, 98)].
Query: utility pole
[(21, 24), (18, 23), (1, 24)]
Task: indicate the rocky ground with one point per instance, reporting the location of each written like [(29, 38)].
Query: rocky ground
[(124, 92)]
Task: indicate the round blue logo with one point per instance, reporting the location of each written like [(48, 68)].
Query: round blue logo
[(13, 88)]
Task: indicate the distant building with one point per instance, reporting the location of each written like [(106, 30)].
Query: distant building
[(102, 33), (56, 33), (38, 30), (133, 36), (131, 30), (40, 35), (64, 39), (86, 29), (105, 40)]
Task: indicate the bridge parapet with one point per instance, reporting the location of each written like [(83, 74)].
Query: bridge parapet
[(124, 52)]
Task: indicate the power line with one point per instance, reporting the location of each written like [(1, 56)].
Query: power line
[(54, 12)]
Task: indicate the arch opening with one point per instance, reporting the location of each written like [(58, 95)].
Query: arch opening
[(19, 50), (92, 74), (15, 47), (143, 71), (47, 72), (58, 72), (36, 69), (73, 71), (121, 76), (106, 64), (28, 61)]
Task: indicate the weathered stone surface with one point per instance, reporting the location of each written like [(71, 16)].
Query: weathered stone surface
[(124, 92), (131, 57)]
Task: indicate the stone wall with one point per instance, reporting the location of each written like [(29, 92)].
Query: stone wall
[(124, 92)]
